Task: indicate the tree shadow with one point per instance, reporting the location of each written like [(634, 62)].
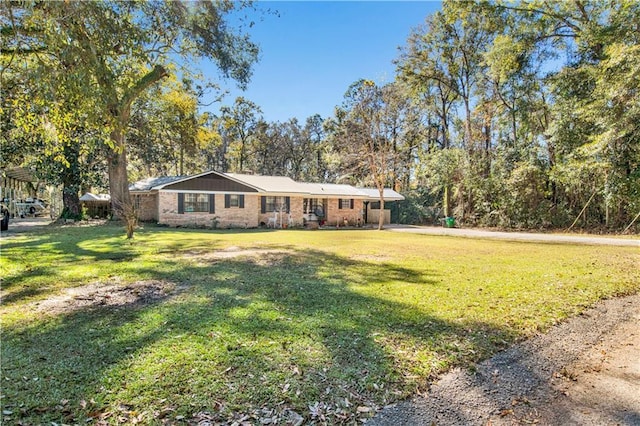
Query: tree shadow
[(289, 328)]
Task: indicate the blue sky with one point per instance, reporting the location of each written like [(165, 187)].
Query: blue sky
[(313, 51)]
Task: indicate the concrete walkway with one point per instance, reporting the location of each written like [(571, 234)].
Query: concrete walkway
[(519, 236)]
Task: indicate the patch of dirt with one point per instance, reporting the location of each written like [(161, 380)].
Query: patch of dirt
[(106, 295), (372, 257), (258, 256), (585, 371)]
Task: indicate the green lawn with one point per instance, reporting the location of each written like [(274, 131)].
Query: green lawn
[(258, 325)]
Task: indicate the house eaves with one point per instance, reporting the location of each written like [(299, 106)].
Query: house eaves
[(332, 190), (373, 194), (271, 185)]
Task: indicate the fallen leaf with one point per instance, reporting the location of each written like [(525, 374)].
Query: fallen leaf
[(505, 413)]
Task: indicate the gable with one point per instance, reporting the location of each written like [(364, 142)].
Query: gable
[(211, 182)]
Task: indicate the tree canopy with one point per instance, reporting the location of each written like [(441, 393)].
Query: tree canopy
[(115, 51)]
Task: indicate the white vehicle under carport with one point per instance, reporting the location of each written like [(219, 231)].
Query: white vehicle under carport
[(31, 206)]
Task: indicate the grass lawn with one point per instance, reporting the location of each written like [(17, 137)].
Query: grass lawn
[(181, 326)]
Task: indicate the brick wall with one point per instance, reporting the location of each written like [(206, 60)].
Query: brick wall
[(250, 216), (146, 207), (337, 216), (295, 210), (233, 217)]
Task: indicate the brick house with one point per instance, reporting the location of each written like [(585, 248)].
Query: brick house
[(230, 200)]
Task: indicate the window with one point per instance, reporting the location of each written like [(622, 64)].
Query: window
[(196, 203), (346, 203), (275, 204), (234, 201), (136, 202)]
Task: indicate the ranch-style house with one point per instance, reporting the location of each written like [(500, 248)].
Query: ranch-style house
[(230, 200)]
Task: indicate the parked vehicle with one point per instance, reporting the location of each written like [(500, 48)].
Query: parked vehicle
[(4, 221), (32, 206)]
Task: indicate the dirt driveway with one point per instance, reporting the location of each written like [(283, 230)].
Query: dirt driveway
[(518, 236), (585, 371)]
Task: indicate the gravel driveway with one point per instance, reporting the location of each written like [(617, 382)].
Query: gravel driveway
[(585, 371), (517, 236)]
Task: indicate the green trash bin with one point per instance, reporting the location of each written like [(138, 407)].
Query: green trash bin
[(450, 222)]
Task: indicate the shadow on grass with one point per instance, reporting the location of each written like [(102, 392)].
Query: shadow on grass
[(288, 328)]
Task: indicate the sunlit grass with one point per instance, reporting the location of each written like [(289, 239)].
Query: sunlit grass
[(286, 320)]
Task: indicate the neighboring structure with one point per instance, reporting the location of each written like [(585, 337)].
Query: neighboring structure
[(20, 192), (230, 200), (16, 185), (96, 205)]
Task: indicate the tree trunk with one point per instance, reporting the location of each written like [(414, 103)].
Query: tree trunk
[(447, 201), (181, 171), (71, 202), (121, 204), (381, 215)]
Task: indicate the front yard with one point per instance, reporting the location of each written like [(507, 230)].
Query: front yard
[(268, 326)]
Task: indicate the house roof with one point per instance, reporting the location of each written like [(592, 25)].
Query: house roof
[(95, 197), (374, 195), (332, 190), (19, 173), (273, 185), (152, 183)]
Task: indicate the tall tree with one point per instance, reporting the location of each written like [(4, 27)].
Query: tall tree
[(593, 120), (169, 130), (120, 49), (45, 129), (365, 134), (422, 68), (239, 121)]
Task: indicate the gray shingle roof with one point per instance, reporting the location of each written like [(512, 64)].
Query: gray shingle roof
[(150, 183)]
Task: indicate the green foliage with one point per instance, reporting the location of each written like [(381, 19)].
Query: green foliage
[(540, 139), (420, 207), (516, 114), (169, 131), (111, 53)]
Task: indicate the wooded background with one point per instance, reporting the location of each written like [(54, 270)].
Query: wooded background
[(509, 114)]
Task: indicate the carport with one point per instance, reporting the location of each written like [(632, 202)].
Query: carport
[(18, 185)]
